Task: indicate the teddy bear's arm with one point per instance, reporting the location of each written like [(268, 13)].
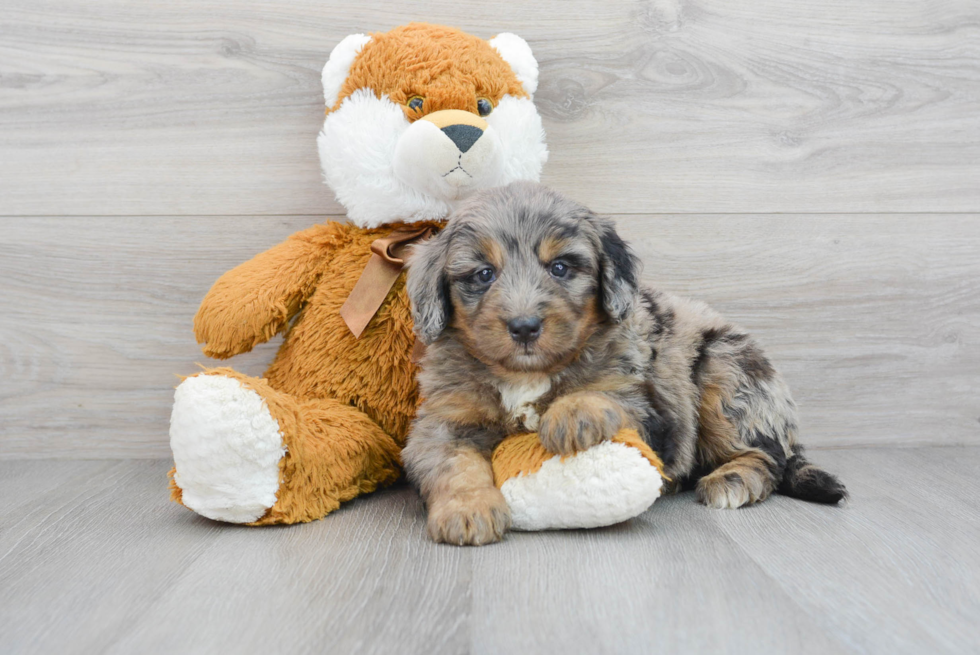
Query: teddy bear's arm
[(252, 302)]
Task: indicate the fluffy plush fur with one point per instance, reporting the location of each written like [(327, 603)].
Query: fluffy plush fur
[(329, 417), (342, 405), (606, 484), (222, 476), (385, 162), (537, 322)]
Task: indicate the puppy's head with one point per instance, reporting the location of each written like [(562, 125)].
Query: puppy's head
[(523, 276)]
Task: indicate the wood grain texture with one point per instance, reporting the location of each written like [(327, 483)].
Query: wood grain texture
[(667, 582), (847, 570), (94, 559), (179, 107), (874, 320), (145, 148), (96, 325)]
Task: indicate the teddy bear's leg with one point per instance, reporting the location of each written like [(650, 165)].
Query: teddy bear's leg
[(608, 483), (247, 453)]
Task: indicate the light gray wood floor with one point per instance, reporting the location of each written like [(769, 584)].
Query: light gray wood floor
[(94, 559)]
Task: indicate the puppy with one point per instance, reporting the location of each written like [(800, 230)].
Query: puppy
[(535, 321)]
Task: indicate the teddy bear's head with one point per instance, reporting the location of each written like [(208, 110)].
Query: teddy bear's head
[(421, 116)]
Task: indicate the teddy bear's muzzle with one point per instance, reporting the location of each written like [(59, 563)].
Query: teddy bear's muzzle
[(449, 152)]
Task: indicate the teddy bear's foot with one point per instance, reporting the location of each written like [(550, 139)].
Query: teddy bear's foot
[(245, 452), (227, 447), (603, 485)]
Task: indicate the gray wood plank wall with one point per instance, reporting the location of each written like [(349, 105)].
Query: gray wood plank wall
[(811, 169)]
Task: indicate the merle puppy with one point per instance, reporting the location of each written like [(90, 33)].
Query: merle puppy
[(535, 321)]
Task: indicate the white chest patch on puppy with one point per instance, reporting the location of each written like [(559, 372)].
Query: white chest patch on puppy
[(518, 395)]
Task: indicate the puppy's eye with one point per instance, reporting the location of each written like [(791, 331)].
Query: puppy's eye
[(485, 276), (484, 106), (559, 268), (415, 103)]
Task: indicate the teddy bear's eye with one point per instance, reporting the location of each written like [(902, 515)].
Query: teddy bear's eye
[(484, 106), (415, 103)]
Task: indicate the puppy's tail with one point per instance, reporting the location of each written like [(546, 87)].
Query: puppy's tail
[(803, 480)]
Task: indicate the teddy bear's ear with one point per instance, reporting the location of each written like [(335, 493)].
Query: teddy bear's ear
[(516, 52), (338, 66)]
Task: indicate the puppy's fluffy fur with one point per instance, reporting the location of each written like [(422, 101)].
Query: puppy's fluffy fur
[(535, 320)]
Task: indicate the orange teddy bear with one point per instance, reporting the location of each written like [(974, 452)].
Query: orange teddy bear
[(417, 118)]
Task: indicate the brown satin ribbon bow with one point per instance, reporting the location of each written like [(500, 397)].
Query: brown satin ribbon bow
[(386, 263)]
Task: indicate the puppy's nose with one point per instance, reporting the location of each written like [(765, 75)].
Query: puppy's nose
[(464, 136), (524, 329)]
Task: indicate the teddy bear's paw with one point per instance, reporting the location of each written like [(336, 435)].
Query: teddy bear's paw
[(226, 447), (606, 484)]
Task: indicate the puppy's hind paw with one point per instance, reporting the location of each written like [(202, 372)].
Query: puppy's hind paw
[(730, 489)]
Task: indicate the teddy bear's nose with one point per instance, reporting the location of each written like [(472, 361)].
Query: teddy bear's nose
[(464, 136), (462, 127)]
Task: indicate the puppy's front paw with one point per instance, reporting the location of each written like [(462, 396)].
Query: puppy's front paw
[(579, 421), (473, 518)]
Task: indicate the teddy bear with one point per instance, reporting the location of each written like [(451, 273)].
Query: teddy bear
[(416, 119)]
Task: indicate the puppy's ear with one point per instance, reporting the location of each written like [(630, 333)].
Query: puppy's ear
[(428, 287), (619, 270)]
